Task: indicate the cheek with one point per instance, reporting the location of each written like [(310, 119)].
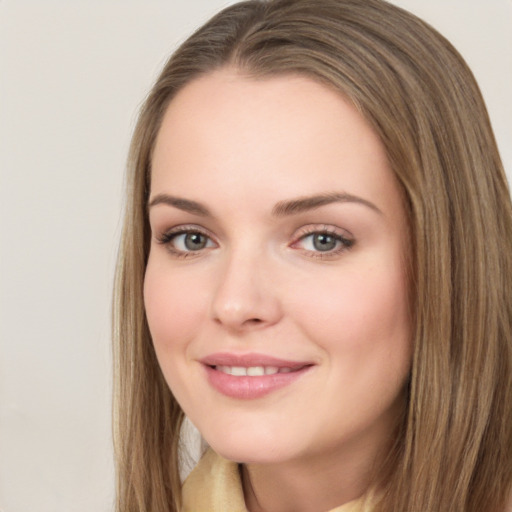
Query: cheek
[(174, 308), (364, 330), (363, 313)]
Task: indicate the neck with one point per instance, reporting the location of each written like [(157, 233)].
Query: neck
[(310, 485)]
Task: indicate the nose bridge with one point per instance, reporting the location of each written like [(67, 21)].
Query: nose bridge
[(245, 297)]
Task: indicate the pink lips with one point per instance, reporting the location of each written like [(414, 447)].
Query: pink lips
[(250, 376)]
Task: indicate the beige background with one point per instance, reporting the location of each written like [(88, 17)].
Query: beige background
[(72, 74)]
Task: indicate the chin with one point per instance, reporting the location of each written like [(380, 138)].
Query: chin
[(251, 449)]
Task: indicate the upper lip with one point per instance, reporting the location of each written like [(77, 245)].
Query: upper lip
[(250, 360)]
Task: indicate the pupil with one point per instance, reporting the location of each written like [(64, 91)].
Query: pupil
[(323, 242), (195, 241)]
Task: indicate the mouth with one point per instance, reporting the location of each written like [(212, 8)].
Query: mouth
[(251, 376), (254, 371)]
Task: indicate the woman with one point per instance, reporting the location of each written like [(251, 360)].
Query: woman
[(314, 268)]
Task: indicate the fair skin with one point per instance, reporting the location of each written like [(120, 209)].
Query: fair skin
[(278, 244)]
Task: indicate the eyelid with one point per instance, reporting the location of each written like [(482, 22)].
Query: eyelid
[(166, 237), (183, 228), (346, 239)]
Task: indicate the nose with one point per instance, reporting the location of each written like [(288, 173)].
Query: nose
[(246, 297)]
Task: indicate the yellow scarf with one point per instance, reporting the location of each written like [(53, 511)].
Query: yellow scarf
[(215, 486)]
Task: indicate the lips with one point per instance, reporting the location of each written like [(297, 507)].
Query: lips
[(251, 376)]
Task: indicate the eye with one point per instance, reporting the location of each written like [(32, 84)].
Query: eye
[(186, 241), (191, 241), (324, 242)]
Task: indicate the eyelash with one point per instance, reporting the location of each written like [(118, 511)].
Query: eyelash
[(343, 243), (170, 236)]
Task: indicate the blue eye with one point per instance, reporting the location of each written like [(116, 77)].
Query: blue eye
[(324, 242), (184, 242), (190, 241)]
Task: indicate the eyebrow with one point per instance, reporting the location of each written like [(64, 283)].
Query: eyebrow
[(303, 204), (281, 209), (182, 204)]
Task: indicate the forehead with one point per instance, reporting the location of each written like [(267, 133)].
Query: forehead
[(227, 96), (282, 135)]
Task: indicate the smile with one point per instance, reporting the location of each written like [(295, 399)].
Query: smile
[(251, 376)]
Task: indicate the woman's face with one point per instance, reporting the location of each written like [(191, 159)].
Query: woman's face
[(276, 290)]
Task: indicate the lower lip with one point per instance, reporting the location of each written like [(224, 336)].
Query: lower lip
[(250, 388)]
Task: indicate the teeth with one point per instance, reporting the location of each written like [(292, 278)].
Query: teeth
[(252, 371), (238, 371), (255, 371)]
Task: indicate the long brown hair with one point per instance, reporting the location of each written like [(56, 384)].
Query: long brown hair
[(455, 448)]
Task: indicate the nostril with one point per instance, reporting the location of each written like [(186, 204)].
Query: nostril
[(254, 320), (246, 323)]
